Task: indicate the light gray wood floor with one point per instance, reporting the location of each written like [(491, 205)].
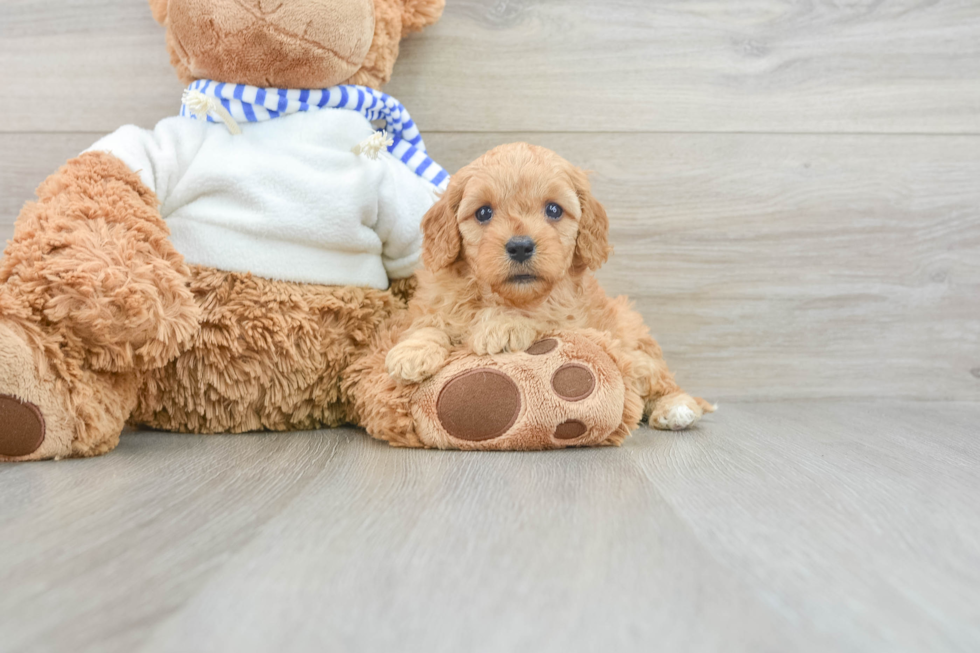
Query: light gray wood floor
[(772, 527)]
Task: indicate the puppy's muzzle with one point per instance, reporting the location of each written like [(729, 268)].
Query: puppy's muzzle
[(520, 248)]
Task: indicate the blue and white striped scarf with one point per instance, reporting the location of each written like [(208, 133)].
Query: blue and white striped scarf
[(253, 104)]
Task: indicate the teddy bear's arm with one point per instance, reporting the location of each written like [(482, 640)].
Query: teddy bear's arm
[(92, 260), (92, 294), (403, 198)]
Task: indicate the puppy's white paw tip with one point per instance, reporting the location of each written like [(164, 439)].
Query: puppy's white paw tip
[(678, 418)]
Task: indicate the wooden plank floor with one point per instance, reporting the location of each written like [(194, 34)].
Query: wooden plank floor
[(772, 527)]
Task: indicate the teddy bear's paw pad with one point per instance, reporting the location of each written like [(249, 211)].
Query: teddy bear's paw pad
[(21, 427), (573, 382), (562, 391), (570, 429), (490, 417), (542, 347)]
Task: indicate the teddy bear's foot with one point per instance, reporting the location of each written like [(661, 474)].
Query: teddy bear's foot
[(34, 421), (563, 391)]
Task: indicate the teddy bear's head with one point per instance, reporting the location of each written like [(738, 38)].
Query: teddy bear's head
[(290, 43)]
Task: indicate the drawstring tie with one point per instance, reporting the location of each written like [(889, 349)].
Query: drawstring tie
[(372, 145), (202, 106)]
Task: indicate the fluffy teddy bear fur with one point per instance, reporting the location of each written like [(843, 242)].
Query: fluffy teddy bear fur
[(102, 322), (91, 285), (267, 356), (357, 43)]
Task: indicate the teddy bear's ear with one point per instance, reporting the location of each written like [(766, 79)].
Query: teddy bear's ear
[(421, 13), (159, 9)]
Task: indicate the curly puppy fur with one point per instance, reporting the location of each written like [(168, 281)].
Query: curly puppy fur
[(474, 292)]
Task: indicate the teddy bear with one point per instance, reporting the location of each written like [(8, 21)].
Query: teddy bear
[(235, 268), (211, 276)]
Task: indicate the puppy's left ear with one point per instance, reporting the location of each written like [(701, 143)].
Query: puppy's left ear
[(592, 244), (441, 240)]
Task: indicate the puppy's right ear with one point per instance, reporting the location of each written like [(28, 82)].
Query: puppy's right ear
[(159, 9), (441, 240)]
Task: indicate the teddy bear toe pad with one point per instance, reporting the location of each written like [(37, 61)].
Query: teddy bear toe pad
[(563, 391), (497, 407), (570, 429), (21, 427), (573, 382), (542, 347)]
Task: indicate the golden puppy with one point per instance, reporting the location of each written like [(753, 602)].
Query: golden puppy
[(509, 252)]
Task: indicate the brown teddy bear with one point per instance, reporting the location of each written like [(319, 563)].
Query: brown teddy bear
[(102, 319), (234, 268)]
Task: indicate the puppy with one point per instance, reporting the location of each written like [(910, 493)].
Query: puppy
[(509, 251)]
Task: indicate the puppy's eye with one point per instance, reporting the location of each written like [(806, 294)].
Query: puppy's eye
[(484, 213), (553, 211)]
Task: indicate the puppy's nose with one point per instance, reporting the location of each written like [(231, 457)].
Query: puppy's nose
[(520, 248)]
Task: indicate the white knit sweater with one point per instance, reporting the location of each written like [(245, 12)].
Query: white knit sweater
[(286, 199)]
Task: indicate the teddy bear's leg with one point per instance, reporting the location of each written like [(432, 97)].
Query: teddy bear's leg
[(91, 292), (269, 355), (381, 405), (565, 390)]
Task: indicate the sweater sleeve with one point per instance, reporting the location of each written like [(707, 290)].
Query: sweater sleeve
[(159, 156), (403, 199)]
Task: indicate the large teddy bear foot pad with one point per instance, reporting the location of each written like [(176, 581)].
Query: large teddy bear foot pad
[(563, 391), (21, 427), (34, 422)]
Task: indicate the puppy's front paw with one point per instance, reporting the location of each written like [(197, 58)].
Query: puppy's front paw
[(675, 412), (413, 361), (498, 336)]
